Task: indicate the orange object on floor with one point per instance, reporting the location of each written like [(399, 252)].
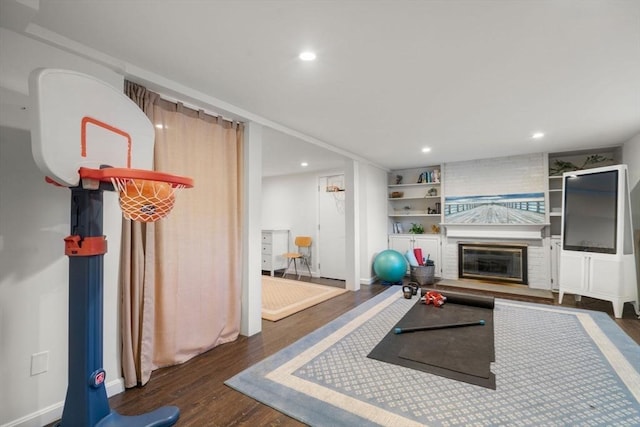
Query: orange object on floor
[(435, 298)]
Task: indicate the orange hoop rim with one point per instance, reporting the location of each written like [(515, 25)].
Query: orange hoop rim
[(107, 174)]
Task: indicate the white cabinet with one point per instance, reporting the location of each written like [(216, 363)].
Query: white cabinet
[(598, 276), (558, 164), (275, 243), (597, 256), (429, 243)]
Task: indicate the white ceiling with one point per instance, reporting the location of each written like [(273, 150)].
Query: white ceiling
[(469, 79)]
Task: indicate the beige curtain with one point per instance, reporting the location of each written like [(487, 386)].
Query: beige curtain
[(181, 276)]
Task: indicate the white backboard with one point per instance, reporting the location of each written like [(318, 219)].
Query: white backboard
[(78, 120)]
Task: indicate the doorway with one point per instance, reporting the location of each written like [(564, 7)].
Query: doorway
[(331, 227)]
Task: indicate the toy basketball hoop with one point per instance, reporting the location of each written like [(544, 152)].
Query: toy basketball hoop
[(72, 139), (145, 196)]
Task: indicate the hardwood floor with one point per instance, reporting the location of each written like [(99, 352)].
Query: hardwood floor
[(197, 386)]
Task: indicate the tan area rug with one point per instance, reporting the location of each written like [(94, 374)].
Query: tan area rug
[(283, 297)]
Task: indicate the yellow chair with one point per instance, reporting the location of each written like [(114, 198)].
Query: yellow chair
[(304, 254)]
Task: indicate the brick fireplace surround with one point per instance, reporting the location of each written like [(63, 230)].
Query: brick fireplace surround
[(507, 175)]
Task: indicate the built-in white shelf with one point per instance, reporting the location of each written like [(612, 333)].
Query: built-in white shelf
[(422, 184), (413, 198), (411, 214)]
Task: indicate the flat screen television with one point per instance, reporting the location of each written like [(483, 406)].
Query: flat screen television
[(590, 212)]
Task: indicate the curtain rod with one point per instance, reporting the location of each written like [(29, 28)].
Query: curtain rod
[(197, 108)]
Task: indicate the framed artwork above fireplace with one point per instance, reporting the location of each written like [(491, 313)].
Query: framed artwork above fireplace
[(516, 208)]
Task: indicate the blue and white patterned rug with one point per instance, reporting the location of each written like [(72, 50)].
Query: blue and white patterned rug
[(554, 366)]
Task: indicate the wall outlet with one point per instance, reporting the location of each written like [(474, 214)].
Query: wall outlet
[(39, 362)]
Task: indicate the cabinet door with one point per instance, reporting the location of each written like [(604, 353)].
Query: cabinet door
[(267, 265), (606, 277), (400, 243), (555, 262), (430, 246), (574, 276)]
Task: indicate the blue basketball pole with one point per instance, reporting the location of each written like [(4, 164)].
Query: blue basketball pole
[(86, 402)]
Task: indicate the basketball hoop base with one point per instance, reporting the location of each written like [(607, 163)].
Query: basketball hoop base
[(86, 402), (162, 417)]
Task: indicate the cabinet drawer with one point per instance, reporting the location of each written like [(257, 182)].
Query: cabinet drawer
[(266, 237), (266, 249), (266, 263)]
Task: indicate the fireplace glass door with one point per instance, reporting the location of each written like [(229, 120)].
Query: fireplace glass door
[(493, 262)]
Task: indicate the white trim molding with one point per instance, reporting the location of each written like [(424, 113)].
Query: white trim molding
[(497, 231)]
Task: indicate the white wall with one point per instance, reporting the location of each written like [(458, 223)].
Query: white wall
[(504, 175), (290, 202), (34, 219), (21, 54), (631, 157), (373, 219), (251, 306)]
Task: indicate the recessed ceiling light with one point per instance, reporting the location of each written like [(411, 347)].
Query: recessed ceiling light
[(426, 149), (307, 56), (159, 126), (537, 135), (304, 164)]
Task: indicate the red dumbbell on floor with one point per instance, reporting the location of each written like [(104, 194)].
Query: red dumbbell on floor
[(435, 298)]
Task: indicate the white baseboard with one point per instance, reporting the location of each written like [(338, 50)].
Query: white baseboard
[(115, 387), (369, 281), (53, 412)]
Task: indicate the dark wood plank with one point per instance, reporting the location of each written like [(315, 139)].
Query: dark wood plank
[(197, 386)]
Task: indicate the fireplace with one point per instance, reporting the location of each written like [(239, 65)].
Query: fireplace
[(499, 262)]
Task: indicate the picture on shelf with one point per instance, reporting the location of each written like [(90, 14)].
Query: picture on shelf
[(517, 208), (397, 228)]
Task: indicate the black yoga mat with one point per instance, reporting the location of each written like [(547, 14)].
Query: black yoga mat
[(462, 353), (464, 299)]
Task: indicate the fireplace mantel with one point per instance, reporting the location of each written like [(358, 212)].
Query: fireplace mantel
[(501, 231)]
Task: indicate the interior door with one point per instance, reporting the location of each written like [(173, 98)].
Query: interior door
[(331, 233)]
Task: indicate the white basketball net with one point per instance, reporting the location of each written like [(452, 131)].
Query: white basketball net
[(144, 200)]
